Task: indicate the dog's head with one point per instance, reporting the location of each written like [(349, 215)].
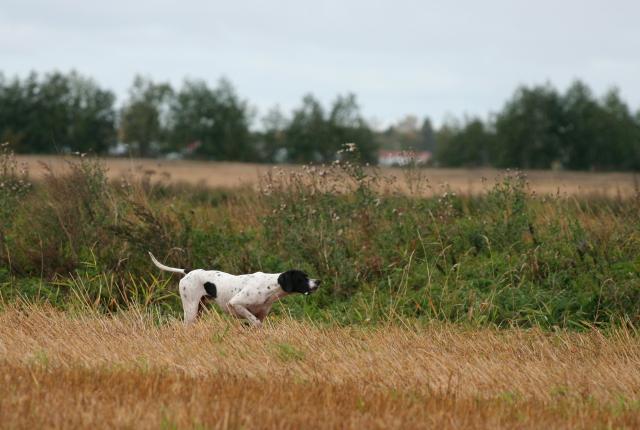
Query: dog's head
[(296, 281)]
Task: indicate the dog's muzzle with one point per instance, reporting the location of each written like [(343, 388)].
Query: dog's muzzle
[(314, 284)]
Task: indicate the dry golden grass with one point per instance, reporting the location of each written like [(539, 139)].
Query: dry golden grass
[(67, 371), (468, 181)]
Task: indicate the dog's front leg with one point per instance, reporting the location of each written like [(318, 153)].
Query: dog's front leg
[(240, 310)]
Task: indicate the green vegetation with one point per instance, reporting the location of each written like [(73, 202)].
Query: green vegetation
[(62, 113), (538, 127), (507, 257), (55, 113)]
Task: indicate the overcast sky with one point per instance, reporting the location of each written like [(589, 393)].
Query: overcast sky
[(399, 57)]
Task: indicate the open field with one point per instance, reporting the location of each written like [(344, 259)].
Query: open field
[(467, 181), (62, 370), (502, 309)]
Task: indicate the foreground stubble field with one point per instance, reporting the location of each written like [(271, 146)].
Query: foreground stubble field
[(65, 370)]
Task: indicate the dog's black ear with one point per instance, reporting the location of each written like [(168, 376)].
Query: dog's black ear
[(286, 281), (294, 281)]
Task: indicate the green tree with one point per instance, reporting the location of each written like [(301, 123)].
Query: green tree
[(316, 136), (216, 118), (307, 134), (346, 125), (17, 100), (427, 140), (529, 129), (620, 149), (142, 115), (273, 138), (581, 130), (469, 145), (92, 116), (58, 113), (598, 134)]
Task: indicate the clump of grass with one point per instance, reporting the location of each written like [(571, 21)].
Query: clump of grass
[(61, 221), (14, 185), (287, 352)]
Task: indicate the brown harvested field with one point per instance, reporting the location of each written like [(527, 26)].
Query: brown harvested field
[(60, 370), (226, 174)]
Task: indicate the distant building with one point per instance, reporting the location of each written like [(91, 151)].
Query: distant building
[(403, 158), (120, 149)]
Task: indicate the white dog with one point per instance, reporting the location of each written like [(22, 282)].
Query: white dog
[(244, 296)]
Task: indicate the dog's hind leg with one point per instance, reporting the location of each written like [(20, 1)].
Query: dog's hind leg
[(190, 311), (190, 295)]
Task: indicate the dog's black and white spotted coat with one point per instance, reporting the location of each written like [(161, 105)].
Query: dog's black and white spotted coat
[(245, 296)]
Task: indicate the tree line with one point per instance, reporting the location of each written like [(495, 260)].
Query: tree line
[(541, 128), (59, 113), (538, 127)]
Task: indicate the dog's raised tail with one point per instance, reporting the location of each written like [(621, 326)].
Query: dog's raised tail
[(167, 268)]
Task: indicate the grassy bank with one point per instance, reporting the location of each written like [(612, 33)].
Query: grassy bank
[(506, 257)]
